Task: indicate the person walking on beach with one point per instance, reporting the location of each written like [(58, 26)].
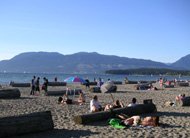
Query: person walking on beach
[(37, 84), (87, 84), (33, 85)]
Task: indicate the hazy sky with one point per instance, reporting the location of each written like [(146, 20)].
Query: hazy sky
[(149, 29)]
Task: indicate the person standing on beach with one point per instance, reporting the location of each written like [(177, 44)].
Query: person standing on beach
[(45, 85), (55, 79), (33, 85), (37, 84), (87, 84)]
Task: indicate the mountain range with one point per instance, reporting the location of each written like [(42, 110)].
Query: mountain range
[(82, 62)]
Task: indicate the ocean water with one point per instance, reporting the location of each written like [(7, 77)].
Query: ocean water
[(6, 78)]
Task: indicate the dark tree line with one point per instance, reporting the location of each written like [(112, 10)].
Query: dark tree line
[(149, 71)]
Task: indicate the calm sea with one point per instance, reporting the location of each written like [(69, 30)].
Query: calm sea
[(5, 78)]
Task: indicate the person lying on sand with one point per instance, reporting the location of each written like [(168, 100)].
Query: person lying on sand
[(116, 104), (137, 120)]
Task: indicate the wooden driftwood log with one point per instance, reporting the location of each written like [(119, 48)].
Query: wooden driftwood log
[(14, 84), (117, 82), (184, 84), (186, 101), (95, 89), (57, 83), (9, 93), (147, 101), (91, 83), (62, 92), (142, 86), (104, 115), (130, 82), (23, 124), (168, 86)]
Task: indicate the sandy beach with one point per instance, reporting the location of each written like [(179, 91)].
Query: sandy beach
[(174, 123)]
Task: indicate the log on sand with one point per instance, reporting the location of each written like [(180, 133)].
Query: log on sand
[(104, 115), (118, 82), (57, 83), (130, 82), (9, 93), (62, 92), (95, 89), (183, 84), (14, 84), (168, 86), (186, 101), (23, 124), (93, 83)]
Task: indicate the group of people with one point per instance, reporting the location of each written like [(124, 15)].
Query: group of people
[(35, 85), (67, 100), (178, 100), (95, 105)]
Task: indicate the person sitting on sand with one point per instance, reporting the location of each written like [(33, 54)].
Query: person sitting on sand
[(152, 88), (81, 98), (179, 98), (95, 106), (116, 104), (133, 103), (64, 100)]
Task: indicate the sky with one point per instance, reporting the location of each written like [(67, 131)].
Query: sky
[(157, 30)]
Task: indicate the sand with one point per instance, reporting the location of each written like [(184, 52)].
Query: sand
[(174, 123)]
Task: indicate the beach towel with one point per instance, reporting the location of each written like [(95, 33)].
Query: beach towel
[(116, 123)]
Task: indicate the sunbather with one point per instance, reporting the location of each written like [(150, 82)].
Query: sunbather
[(152, 88), (64, 100), (137, 120), (116, 104), (81, 98), (179, 98)]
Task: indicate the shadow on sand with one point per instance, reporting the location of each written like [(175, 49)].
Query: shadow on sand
[(176, 114), (59, 133), (170, 114)]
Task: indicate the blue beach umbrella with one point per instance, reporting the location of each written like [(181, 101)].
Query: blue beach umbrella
[(74, 80)]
